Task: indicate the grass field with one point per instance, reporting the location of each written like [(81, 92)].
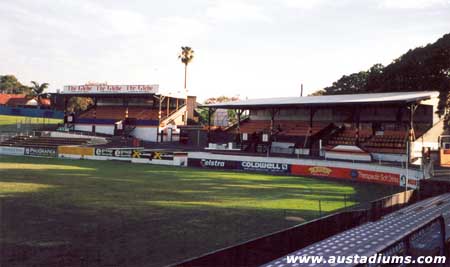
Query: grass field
[(92, 213), (12, 120)]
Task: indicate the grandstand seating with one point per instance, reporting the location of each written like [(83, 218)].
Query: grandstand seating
[(252, 126), (388, 142), (300, 128), (282, 127), (40, 141), (348, 137), (118, 113)]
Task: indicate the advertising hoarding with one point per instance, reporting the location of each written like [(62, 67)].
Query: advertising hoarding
[(111, 89)]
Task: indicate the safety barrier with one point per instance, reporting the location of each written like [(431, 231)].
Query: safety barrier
[(135, 155), (363, 172)]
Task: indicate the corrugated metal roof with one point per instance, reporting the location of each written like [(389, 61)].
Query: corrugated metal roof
[(397, 97), (8, 99)]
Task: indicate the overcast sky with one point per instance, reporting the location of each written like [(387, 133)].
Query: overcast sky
[(260, 48)]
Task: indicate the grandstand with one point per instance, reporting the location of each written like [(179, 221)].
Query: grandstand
[(381, 124), (128, 110)]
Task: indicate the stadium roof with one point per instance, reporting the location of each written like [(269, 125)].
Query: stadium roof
[(351, 99)]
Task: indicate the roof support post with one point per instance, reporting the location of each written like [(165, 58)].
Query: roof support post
[(411, 135), (273, 113), (65, 107), (94, 130), (126, 108), (358, 120), (160, 100), (209, 125), (272, 119), (412, 110), (95, 107), (312, 112), (399, 115), (168, 106), (238, 113)]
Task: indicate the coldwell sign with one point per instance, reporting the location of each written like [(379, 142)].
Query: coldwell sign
[(240, 165), (265, 166)]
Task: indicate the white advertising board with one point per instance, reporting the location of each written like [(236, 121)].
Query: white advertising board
[(11, 150), (111, 89)]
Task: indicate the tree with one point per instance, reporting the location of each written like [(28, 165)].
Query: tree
[(318, 93), (78, 104), (38, 90), (186, 56), (421, 69), (232, 116), (349, 84), (10, 85), (221, 99)]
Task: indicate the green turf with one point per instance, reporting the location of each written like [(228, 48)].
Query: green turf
[(9, 123), (106, 213), (12, 120)]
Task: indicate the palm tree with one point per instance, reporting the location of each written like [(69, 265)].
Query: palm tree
[(38, 90), (186, 56)]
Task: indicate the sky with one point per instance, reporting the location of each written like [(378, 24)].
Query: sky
[(246, 48)]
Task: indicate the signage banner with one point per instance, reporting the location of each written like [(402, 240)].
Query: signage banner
[(347, 173), (11, 150), (332, 172), (41, 151), (160, 155), (268, 167), (134, 153), (76, 150), (379, 177), (111, 89), (212, 163), (265, 166)]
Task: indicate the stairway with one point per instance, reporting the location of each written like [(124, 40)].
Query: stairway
[(174, 115)]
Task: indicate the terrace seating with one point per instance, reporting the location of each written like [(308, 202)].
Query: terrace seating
[(40, 141)]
